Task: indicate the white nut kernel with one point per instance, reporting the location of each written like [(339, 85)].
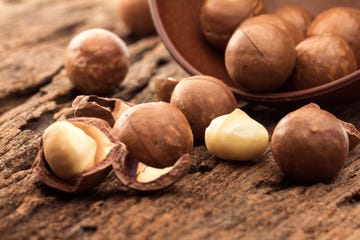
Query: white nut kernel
[(72, 148), (236, 136)]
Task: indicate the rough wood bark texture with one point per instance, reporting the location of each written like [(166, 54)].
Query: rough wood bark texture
[(215, 200)]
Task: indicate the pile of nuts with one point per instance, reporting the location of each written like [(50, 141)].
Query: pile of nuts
[(148, 145), (285, 50)]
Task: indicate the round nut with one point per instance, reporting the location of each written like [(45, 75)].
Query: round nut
[(220, 18), (260, 57), (156, 134), (202, 98), (236, 136), (96, 61), (76, 154), (340, 21), (322, 59), (164, 88), (136, 16), (310, 145), (298, 16), (294, 33)]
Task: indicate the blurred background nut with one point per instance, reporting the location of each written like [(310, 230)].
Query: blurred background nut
[(76, 154), (201, 99), (96, 61), (220, 18), (298, 16), (322, 59), (294, 33), (236, 136), (310, 145), (164, 88), (339, 21), (136, 16), (260, 57), (156, 134)]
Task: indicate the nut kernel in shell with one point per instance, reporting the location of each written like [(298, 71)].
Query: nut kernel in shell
[(156, 134), (220, 18), (236, 136), (201, 99), (69, 161), (310, 145), (298, 16), (322, 59), (260, 57), (343, 22), (96, 61)]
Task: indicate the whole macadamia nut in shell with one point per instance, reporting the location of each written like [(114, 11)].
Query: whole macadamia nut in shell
[(294, 33), (310, 145), (220, 18), (298, 16), (96, 61), (322, 59), (156, 134), (201, 99), (343, 22), (136, 16), (260, 57)]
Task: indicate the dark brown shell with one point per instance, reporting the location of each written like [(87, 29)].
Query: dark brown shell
[(310, 145), (125, 170), (89, 178), (98, 107), (201, 99)]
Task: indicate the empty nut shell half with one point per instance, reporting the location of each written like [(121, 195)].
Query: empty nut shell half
[(95, 173), (108, 109), (138, 176)]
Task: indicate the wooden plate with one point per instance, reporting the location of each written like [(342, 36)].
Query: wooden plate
[(177, 23)]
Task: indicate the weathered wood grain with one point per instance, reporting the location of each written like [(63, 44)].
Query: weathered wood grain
[(216, 200)]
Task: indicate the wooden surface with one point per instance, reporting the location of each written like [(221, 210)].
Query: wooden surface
[(216, 200)]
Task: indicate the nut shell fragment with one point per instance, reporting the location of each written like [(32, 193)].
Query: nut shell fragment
[(90, 177), (126, 170)]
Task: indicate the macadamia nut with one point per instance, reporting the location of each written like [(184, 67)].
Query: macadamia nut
[(236, 136)]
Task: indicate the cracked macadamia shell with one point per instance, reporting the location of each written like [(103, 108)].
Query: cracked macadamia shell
[(298, 16), (260, 57), (339, 21), (96, 61), (156, 134), (220, 18), (91, 176), (201, 99), (322, 59), (310, 145)]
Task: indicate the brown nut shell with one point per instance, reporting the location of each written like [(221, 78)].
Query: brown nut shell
[(320, 60), (89, 178), (202, 98), (294, 33), (343, 22), (164, 88), (260, 57), (298, 16), (136, 16), (220, 18), (108, 109), (126, 169), (96, 61), (310, 145), (156, 134)]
